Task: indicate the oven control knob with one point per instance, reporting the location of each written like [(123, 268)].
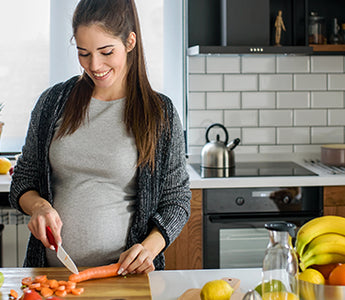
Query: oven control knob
[(239, 201), (286, 200)]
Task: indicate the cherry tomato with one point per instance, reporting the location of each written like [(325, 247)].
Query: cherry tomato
[(31, 295)]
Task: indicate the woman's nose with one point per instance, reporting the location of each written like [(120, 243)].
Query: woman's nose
[(95, 62)]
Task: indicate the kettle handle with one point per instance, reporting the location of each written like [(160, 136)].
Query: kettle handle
[(217, 125)]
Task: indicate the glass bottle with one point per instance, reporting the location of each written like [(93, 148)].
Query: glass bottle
[(280, 264), (335, 37), (316, 29)]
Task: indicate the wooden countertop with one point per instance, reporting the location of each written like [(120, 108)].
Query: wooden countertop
[(127, 287)]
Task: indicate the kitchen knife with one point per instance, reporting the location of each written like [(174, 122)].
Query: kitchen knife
[(61, 253)]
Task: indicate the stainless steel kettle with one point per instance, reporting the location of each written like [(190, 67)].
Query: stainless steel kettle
[(218, 157)]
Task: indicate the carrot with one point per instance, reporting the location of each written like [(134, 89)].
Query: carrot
[(34, 285), (96, 272), (53, 283), (61, 288), (46, 292), (71, 284), (26, 281), (13, 294), (61, 293), (41, 278), (77, 291)]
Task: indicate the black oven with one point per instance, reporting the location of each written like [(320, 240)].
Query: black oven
[(233, 221)]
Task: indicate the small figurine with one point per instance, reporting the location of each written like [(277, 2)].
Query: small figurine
[(279, 24)]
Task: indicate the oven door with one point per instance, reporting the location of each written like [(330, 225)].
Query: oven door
[(239, 242)]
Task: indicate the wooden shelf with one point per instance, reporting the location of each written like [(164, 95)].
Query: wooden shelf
[(328, 48)]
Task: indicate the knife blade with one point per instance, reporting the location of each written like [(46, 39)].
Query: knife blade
[(61, 253)]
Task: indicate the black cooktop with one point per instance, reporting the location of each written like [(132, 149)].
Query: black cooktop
[(259, 169)]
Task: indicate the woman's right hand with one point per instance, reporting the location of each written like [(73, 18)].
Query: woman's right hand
[(42, 215)]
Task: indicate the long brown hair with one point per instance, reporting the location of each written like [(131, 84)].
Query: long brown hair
[(144, 113)]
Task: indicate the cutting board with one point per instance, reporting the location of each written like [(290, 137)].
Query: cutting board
[(194, 294), (136, 286)]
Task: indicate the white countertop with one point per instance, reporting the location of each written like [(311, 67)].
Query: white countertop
[(324, 178), (169, 285)]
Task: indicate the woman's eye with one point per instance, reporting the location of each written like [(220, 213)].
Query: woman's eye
[(108, 53), (83, 55)]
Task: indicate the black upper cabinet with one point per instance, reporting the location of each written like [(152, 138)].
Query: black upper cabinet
[(210, 34)]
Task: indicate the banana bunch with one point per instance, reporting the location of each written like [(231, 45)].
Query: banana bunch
[(321, 241)]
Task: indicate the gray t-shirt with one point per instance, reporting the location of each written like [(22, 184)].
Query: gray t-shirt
[(94, 186)]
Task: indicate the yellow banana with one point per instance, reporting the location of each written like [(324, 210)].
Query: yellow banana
[(322, 259), (324, 243), (316, 227)]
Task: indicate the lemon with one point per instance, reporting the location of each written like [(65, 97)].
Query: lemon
[(216, 290), (272, 286), (312, 275), (5, 165), (2, 278)]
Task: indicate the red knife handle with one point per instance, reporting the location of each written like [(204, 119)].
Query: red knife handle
[(51, 238)]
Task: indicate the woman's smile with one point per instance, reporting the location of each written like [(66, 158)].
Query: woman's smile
[(101, 75)]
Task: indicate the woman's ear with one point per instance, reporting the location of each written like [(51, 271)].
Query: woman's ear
[(131, 41)]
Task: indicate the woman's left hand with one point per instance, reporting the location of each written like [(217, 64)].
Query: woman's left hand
[(136, 259), (139, 258)]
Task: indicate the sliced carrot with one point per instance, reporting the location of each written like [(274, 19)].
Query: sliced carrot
[(34, 285), (77, 291), (62, 282), (13, 294), (71, 284), (96, 272), (46, 292), (53, 283), (61, 288), (61, 293), (41, 278), (26, 281)]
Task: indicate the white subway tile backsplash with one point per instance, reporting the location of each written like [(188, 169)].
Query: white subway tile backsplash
[(327, 99), (327, 64), (275, 118), (196, 136), (258, 64), (223, 100), (336, 117), (223, 64), (336, 82), (240, 82), (234, 118), (258, 100), (196, 100), (276, 149), (309, 117), (311, 82), (322, 135), (204, 118), (293, 99), (258, 136), (198, 83), (274, 104), (293, 64), (293, 135), (275, 82), (307, 149), (197, 64)]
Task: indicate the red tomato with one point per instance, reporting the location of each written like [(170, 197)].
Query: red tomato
[(31, 295)]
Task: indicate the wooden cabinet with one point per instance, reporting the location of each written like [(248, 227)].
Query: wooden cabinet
[(186, 251), (334, 200)]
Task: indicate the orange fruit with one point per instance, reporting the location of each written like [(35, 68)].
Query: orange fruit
[(325, 270), (337, 275)]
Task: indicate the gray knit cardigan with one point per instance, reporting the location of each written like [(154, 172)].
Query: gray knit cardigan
[(163, 197)]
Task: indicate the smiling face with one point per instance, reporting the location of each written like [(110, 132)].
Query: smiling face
[(104, 59)]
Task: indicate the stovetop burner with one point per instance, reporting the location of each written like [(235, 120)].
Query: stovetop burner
[(260, 169)]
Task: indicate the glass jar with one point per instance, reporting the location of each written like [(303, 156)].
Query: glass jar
[(316, 29), (280, 264)]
